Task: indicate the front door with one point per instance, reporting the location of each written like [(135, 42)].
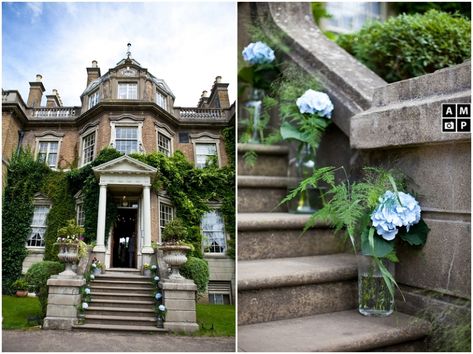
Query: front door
[(125, 239)]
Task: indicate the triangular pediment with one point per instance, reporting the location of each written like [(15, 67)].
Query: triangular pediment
[(124, 165)]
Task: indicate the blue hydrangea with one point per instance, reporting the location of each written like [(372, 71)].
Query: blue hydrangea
[(158, 296), (156, 278), (87, 291), (162, 308), (395, 211), (315, 102), (258, 53), (153, 267), (85, 305)]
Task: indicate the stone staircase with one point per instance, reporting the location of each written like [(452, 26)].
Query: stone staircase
[(299, 293), (121, 300)]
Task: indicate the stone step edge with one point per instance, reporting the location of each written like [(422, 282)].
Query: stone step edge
[(122, 276), (120, 328), (264, 149), (247, 181), (122, 282), (94, 286), (119, 318), (118, 309), (275, 221), (346, 271), (93, 293), (127, 302), (400, 328)]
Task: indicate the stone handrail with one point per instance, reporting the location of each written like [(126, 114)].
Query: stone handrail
[(55, 112), (192, 113), (349, 83)]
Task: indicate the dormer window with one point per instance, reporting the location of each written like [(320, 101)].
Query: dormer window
[(161, 100), (128, 91), (94, 98)]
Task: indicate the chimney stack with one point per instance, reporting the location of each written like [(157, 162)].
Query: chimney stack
[(36, 92), (93, 72), (219, 94), (203, 100), (53, 100)]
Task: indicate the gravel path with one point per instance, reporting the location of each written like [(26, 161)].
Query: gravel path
[(81, 341)]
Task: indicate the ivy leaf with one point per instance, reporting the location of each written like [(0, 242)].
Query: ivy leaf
[(379, 248), (417, 235), (246, 74)]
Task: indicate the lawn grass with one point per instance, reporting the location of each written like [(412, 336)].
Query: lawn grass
[(221, 317), (16, 310)]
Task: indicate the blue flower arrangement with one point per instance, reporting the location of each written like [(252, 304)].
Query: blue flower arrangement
[(258, 53)]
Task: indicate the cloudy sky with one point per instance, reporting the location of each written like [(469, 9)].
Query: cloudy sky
[(186, 44)]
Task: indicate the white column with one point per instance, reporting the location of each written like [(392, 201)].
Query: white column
[(100, 247), (147, 220)]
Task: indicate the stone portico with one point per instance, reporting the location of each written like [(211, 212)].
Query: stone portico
[(128, 177)]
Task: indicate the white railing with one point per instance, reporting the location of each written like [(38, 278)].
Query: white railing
[(189, 113), (56, 112)]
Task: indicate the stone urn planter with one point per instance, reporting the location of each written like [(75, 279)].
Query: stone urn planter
[(21, 293), (175, 257), (69, 254)]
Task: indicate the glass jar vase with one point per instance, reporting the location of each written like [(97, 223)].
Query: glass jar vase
[(374, 298), (252, 113)]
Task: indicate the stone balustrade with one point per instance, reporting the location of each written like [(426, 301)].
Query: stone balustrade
[(196, 114), (56, 112)]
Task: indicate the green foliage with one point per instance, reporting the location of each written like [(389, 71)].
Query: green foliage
[(250, 157), (17, 310), (23, 180), (319, 12), (37, 277), (411, 45), (174, 231), (229, 140), (20, 284), (56, 187), (463, 8), (197, 269)]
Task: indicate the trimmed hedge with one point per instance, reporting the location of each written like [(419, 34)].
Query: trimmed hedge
[(197, 269), (37, 277), (407, 46)]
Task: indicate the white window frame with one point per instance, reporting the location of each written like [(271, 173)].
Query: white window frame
[(39, 202), (79, 211), (82, 137), (161, 99), (167, 202), (128, 84), (49, 139), (127, 123), (215, 208), (206, 138), (94, 99), (165, 131)]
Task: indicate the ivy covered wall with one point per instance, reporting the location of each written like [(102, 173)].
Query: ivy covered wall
[(190, 190)]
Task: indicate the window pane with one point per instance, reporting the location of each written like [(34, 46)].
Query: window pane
[(52, 160), (38, 226), (88, 145), (206, 149), (214, 232), (164, 144)]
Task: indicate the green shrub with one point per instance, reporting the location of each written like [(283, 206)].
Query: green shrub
[(411, 45), (20, 284), (37, 277), (197, 269)]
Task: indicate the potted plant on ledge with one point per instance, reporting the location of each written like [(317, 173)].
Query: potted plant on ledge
[(71, 248), (174, 247), (377, 214)]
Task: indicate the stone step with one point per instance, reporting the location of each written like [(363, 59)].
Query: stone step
[(262, 193), (282, 288), (278, 235), (122, 276), (333, 332), (120, 296), (122, 283), (111, 327), (144, 290), (119, 311), (120, 320), (115, 303), (271, 160)]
